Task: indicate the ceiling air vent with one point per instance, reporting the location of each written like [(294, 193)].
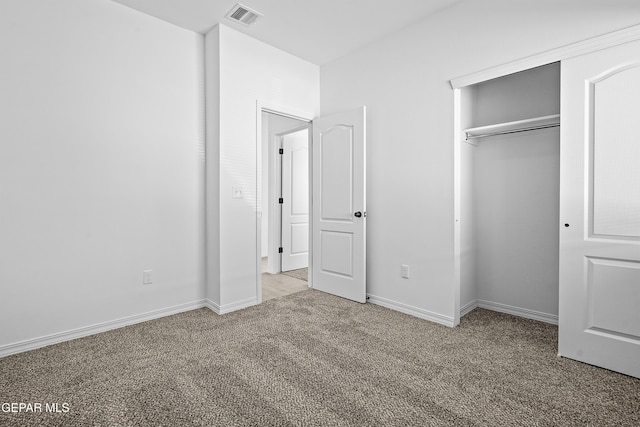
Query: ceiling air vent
[(244, 15)]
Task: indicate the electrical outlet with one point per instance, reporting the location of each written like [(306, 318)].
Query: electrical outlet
[(146, 277), (237, 192), (404, 271)]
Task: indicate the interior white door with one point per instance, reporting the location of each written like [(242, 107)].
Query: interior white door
[(600, 209), (339, 204), (295, 200)]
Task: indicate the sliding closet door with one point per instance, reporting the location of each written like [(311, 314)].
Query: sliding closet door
[(600, 209)]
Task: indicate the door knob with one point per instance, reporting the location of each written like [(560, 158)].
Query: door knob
[(358, 214)]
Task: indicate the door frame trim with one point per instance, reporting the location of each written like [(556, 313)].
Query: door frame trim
[(571, 50), (285, 111), (604, 41)]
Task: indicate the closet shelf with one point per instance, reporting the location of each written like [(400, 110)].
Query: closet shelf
[(513, 127)]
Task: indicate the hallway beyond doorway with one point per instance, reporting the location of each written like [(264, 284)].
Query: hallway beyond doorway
[(278, 285)]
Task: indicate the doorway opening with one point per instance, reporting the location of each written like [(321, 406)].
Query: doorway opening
[(335, 200), (284, 236)]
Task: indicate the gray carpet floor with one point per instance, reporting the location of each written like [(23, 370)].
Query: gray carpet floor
[(311, 359)]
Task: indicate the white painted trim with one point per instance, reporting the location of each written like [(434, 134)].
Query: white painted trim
[(212, 305), (32, 344), (259, 204), (457, 204), (228, 308), (604, 41), (310, 257), (238, 305), (281, 110), (517, 311), (468, 308), (413, 311)]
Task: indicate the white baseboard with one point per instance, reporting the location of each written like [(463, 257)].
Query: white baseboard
[(413, 311), (518, 311), (468, 308), (212, 306), (228, 308), (32, 344)]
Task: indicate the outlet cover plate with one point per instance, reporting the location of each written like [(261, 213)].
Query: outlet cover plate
[(146, 277), (404, 271)]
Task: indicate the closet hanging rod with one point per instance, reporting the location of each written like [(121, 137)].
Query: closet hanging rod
[(506, 132)]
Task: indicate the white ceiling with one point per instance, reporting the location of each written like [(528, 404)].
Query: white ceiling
[(316, 30)]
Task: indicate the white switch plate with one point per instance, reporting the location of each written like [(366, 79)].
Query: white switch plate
[(404, 271), (146, 277), (236, 192)]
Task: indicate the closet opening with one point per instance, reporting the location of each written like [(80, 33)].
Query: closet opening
[(508, 193)]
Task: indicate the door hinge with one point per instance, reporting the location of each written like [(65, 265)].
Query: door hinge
[(281, 151), (281, 200), (280, 250)]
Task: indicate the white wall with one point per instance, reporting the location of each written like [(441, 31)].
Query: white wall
[(101, 165), (403, 80), (249, 71)]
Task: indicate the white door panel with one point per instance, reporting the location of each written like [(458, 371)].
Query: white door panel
[(339, 205), (616, 198), (600, 209), (295, 203), (336, 253), (336, 186)]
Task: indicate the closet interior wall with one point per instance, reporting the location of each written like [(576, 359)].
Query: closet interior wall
[(510, 197)]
